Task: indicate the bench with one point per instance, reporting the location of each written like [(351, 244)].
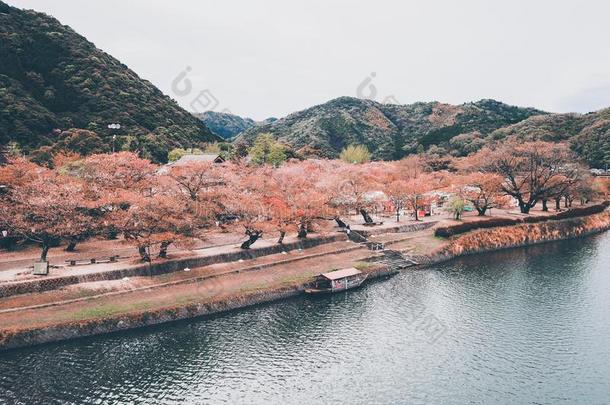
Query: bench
[(79, 262), (375, 246)]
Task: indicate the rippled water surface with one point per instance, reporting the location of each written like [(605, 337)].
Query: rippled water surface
[(526, 325)]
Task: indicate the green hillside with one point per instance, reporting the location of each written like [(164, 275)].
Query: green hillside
[(390, 131), (53, 79), (588, 134)]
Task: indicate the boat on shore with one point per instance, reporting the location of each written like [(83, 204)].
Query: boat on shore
[(337, 280)]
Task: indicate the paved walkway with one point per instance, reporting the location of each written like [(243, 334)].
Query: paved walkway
[(21, 259)]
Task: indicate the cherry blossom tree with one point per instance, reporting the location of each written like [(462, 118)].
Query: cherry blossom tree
[(305, 195), (204, 189), (355, 187), (482, 190), (530, 171), (42, 206), (137, 201), (408, 184), (416, 190), (154, 220), (245, 199), (397, 191)]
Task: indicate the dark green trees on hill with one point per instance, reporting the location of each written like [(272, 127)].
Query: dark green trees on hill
[(389, 131), (224, 124), (53, 79)]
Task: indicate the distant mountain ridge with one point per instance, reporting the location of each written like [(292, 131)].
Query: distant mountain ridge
[(52, 78), (227, 125), (224, 124), (390, 131)]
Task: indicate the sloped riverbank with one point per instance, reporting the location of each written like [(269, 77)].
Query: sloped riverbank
[(486, 240)]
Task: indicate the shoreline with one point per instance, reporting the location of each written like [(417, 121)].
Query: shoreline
[(474, 242), (69, 331)]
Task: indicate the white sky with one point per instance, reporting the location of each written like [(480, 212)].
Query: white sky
[(270, 58)]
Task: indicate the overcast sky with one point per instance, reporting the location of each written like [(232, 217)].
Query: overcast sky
[(271, 58)]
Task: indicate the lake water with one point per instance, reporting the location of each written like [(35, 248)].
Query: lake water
[(523, 326)]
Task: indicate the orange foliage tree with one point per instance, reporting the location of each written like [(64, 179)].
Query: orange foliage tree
[(43, 206), (530, 171), (483, 190), (136, 201)]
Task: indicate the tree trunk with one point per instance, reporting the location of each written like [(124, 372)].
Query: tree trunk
[(366, 216), (398, 215), (281, 239), (340, 223), (565, 202), (309, 226), (163, 249), (144, 256), (45, 251), (524, 208), (481, 210), (302, 231), (112, 233), (71, 246), (253, 235), (544, 206), (416, 217), (558, 204)]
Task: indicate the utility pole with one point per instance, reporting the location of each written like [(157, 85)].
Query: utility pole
[(113, 127)]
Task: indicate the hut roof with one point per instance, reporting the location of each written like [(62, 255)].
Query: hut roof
[(337, 274), (204, 157)]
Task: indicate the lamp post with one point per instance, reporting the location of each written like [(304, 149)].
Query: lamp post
[(112, 127)]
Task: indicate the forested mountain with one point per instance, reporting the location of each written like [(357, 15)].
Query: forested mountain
[(224, 124), (588, 134), (390, 131), (52, 79)]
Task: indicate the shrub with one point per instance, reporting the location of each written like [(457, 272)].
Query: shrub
[(355, 154), (452, 230)]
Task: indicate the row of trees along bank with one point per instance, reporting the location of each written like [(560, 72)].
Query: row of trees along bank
[(106, 195)]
